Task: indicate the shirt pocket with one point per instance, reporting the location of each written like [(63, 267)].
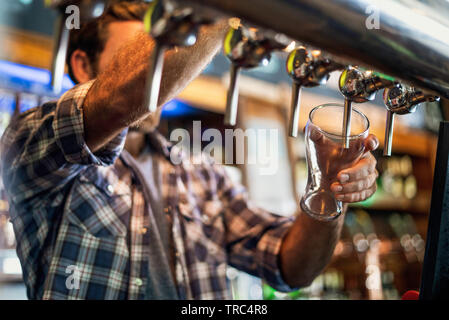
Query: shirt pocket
[(100, 203), (204, 230)]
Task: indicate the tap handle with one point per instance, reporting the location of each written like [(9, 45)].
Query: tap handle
[(358, 85), (298, 65), (246, 49), (396, 101), (307, 69), (402, 99), (232, 99), (88, 10), (170, 26), (295, 109), (346, 132), (396, 98), (154, 77), (353, 85), (389, 125), (59, 54)]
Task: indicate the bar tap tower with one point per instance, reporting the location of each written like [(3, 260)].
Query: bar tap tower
[(246, 48), (401, 99), (170, 24), (307, 69), (358, 85)]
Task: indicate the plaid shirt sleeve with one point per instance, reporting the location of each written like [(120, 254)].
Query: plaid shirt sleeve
[(254, 236), (44, 148)]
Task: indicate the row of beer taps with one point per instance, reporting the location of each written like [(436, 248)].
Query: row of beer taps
[(174, 23), (357, 85), (247, 48)]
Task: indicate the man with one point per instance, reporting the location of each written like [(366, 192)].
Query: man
[(94, 220)]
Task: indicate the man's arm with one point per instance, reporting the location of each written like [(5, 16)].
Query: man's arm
[(307, 249), (115, 101), (309, 244), (287, 252)]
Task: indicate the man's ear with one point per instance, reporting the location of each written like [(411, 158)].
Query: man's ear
[(81, 66)]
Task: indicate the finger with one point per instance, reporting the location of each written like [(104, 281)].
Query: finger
[(371, 143), (355, 186), (357, 196), (315, 135), (362, 169)]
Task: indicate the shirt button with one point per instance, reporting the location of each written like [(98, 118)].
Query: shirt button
[(138, 282), (110, 188)]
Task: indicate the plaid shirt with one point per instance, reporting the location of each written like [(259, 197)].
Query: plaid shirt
[(81, 227)]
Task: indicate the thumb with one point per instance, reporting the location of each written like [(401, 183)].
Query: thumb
[(371, 143), (315, 135)]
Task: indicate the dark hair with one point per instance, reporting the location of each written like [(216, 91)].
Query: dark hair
[(92, 36)]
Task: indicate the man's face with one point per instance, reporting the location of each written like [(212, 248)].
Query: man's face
[(118, 34)]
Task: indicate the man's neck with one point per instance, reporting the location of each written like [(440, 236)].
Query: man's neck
[(135, 142)]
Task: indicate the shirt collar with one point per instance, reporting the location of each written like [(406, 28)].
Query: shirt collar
[(154, 141)]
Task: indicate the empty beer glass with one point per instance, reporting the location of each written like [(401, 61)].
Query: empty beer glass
[(327, 156)]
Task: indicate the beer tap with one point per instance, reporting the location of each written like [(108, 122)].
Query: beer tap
[(246, 48), (307, 69), (359, 85), (88, 9), (171, 25), (401, 99)]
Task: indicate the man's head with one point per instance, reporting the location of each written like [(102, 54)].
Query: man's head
[(92, 47)]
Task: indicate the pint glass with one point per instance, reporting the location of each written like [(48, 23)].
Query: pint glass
[(326, 156)]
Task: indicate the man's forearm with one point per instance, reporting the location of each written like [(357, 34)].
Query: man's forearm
[(115, 101), (307, 249)]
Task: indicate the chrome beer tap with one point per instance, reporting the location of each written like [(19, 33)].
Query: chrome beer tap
[(401, 99), (246, 48), (88, 9), (171, 24), (359, 85), (307, 69)]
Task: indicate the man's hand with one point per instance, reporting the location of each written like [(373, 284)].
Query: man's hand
[(358, 182), (352, 184), (310, 243)]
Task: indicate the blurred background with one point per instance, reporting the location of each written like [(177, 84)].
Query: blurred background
[(381, 250)]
